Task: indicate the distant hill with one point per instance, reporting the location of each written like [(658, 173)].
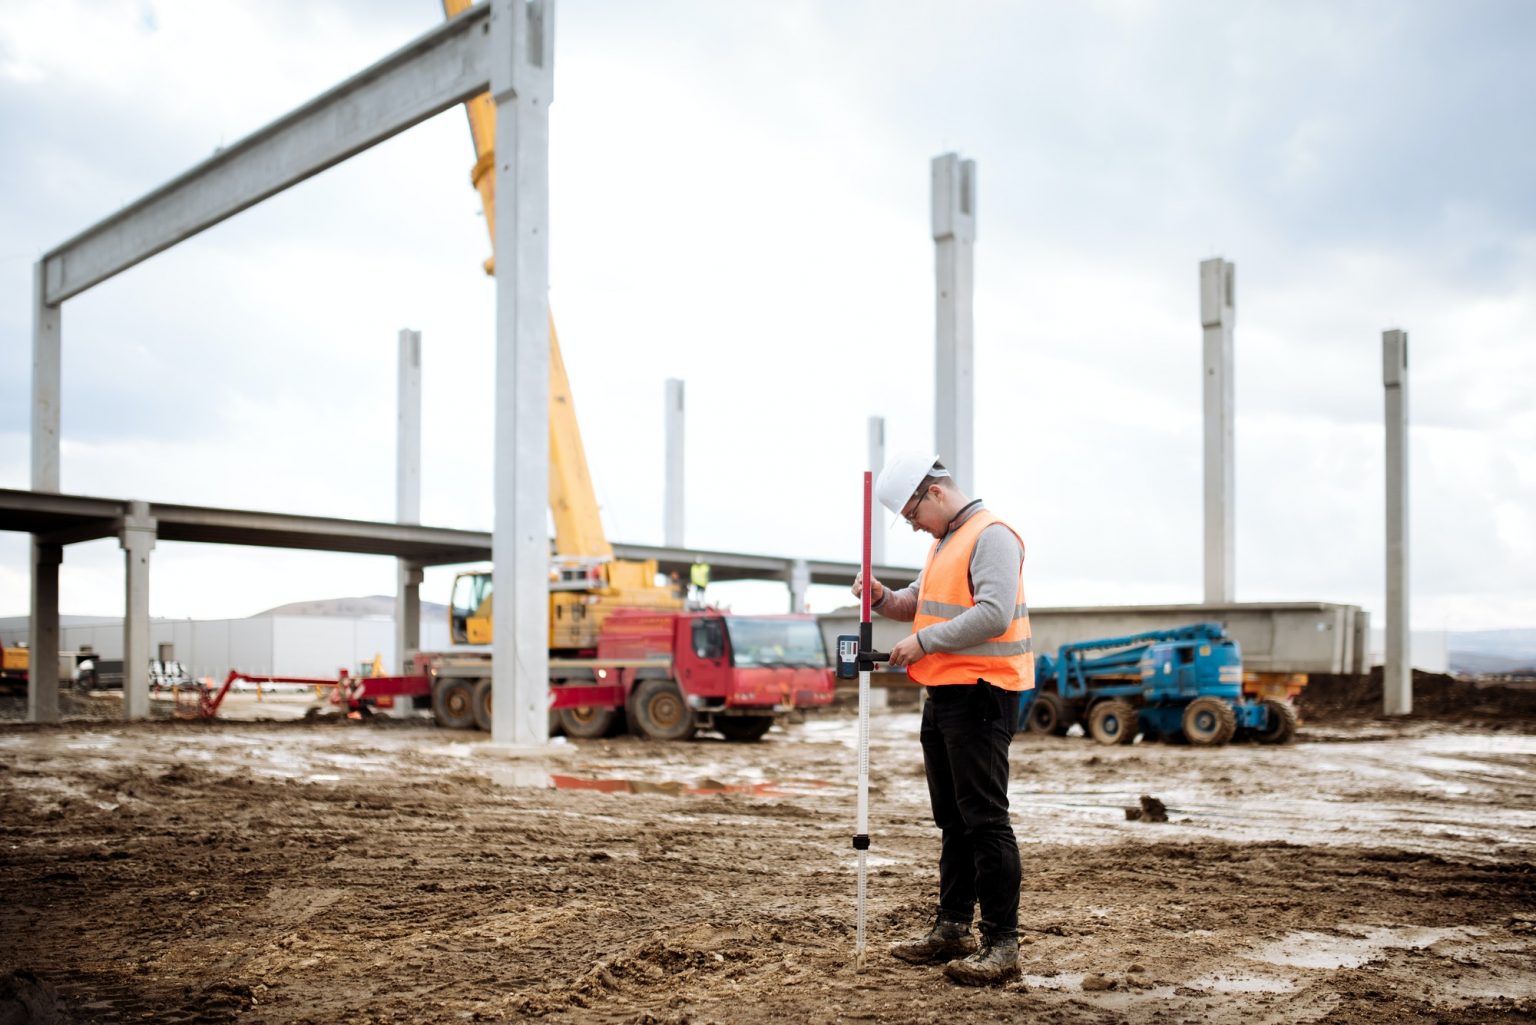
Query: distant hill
[(369, 605), (1483, 652)]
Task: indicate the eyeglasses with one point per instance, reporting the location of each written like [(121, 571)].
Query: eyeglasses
[(911, 517)]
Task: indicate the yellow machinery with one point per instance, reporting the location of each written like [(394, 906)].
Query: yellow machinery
[(13, 663), (586, 581)]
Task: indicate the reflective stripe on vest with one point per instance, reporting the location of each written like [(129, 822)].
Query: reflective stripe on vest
[(1007, 660)]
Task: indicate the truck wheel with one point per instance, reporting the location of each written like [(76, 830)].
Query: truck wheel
[(1281, 726), (1049, 714), (660, 711), (453, 704), (1112, 722), (743, 727), (482, 705), (1209, 722), (588, 722)]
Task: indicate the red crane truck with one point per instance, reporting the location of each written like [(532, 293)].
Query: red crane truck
[(660, 673)]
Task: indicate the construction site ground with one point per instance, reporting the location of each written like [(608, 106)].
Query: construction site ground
[(330, 870)]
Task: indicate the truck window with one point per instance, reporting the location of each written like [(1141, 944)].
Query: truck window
[(708, 638), (781, 642)]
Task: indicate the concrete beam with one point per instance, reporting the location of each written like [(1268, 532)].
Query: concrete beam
[(954, 239), (876, 464), (673, 501), (137, 538), (1218, 313), (1397, 672), (43, 634), (441, 68), (522, 86)]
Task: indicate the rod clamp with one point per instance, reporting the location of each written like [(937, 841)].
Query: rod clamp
[(861, 842)]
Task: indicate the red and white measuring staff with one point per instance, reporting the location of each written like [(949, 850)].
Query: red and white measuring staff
[(866, 658)]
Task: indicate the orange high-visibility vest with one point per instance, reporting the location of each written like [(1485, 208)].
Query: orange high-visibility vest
[(1004, 661)]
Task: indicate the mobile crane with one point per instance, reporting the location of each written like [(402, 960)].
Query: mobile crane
[(623, 650)]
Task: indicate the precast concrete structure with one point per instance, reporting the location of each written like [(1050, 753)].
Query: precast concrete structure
[(1275, 637), (954, 241), (876, 464), (1397, 669), (505, 47), (1218, 312), (408, 575), (672, 503)]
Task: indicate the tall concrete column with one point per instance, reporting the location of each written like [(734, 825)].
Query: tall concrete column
[(136, 535), (1218, 313), (43, 637), (954, 240), (408, 429), (522, 86), (673, 503), (408, 575), (799, 584), (876, 464), (1397, 672), (47, 376)]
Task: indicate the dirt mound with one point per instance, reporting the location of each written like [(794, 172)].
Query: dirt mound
[(1435, 696)]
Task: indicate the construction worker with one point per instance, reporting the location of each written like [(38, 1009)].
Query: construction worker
[(970, 648), (698, 576)]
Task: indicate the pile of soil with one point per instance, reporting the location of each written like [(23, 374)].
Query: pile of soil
[(1435, 696)]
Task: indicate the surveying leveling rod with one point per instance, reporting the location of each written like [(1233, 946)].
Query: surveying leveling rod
[(854, 655)]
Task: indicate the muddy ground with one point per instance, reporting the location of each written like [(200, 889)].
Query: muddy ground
[(392, 872)]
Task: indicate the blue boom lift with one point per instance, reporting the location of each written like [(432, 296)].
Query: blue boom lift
[(1181, 684)]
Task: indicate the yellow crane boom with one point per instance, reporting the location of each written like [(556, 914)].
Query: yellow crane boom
[(579, 538)]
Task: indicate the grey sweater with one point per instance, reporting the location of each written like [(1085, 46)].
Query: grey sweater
[(994, 574)]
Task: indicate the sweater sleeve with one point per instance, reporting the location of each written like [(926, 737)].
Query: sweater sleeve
[(995, 564), (899, 604)]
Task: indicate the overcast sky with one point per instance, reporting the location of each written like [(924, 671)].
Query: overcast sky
[(740, 198)]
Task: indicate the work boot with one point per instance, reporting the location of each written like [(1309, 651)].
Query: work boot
[(996, 962), (946, 940)]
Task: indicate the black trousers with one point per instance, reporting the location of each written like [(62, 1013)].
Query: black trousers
[(965, 735)]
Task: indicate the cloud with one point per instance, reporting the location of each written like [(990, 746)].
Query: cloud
[(739, 197)]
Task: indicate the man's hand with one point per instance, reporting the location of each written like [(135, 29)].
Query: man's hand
[(906, 651), (876, 588)]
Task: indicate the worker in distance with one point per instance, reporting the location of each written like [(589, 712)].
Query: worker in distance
[(970, 647)]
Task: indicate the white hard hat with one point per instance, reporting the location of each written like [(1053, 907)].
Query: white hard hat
[(902, 474)]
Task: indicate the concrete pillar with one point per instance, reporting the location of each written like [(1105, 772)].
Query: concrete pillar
[(408, 575), (408, 430), (799, 584), (522, 86), (876, 463), (47, 375), (954, 239), (47, 372), (136, 535), (43, 634), (1397, 672), (1217, 315), (673, 504)]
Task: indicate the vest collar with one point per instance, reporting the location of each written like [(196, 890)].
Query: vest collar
[(964, 514)]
